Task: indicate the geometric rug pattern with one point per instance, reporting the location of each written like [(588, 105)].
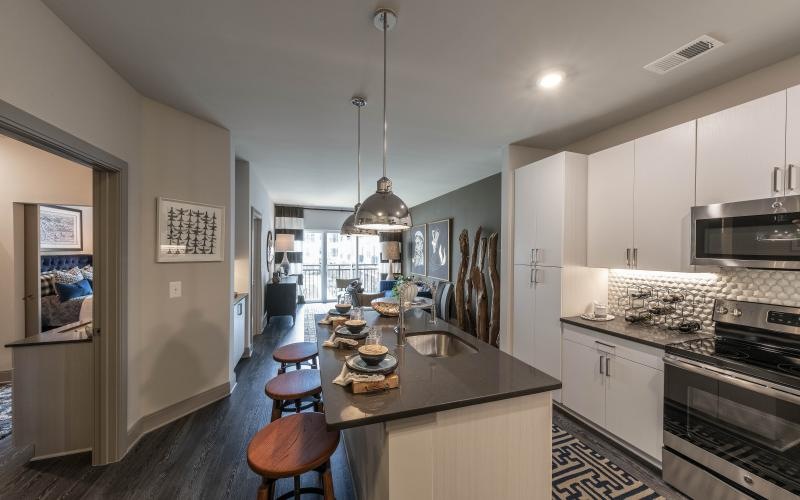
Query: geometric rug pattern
[(581, 472), (5, 410)]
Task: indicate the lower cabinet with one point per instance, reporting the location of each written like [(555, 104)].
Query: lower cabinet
[(616, 384)]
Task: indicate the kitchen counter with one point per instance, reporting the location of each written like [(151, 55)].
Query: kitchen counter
[(649, 335), (472, 425), (67, 334), (427, 384)]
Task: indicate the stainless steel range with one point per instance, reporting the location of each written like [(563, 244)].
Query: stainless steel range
[(732, 406)]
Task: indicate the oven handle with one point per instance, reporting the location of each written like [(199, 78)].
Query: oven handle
[(776, 391)]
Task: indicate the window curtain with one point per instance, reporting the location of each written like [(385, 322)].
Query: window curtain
[(397, 266), (289, 220)]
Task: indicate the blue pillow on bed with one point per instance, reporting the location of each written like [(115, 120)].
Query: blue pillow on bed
[(73, 291)]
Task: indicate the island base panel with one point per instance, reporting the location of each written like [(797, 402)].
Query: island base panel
[(500, 449)]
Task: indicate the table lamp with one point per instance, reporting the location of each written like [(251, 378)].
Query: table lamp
[(391, 252), (284, 243)]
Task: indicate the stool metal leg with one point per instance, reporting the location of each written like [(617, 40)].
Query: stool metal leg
[(267, 489), (296, 487)]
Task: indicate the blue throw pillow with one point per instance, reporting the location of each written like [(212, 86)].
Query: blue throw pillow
[(73, 291)]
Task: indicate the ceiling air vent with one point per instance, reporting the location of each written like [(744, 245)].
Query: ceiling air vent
[(684, 54)]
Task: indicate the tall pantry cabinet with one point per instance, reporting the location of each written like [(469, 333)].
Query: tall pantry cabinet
[(550, 276)]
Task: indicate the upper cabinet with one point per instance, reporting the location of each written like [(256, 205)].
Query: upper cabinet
[(741, 151), (793, 141), (609, 218), (524, 210), (663, 195)]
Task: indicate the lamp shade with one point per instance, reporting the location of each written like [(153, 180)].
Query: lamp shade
[(383, 211), (390, 250), (284, 242)]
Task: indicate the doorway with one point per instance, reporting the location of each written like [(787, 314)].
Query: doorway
[(329, 256), (109, 439)]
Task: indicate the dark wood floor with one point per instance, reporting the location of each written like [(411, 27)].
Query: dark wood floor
[(203, 455), (199, 456)]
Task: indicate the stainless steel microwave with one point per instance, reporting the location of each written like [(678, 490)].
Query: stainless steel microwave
[(762, 234)]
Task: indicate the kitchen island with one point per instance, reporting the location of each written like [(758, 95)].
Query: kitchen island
[(468, 420)]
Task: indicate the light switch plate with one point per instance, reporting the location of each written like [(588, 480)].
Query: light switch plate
[(174, 289)]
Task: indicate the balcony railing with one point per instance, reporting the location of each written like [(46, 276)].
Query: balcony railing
[(369, 274)]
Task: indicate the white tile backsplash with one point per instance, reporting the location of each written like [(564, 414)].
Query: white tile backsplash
[(754, 285)]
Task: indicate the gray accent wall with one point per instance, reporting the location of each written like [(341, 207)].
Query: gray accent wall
[(474, 205)]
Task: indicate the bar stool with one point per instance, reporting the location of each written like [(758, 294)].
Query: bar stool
[(296, 354), (287, 391), (289, 447)]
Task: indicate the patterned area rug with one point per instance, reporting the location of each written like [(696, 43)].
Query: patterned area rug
[(581, 472), (309, 325), (5, 410)]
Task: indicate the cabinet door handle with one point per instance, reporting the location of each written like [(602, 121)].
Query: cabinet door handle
[(790, 178), (533, 256), (536, 276), (775, 186), (533, 276), (608, 367), (635, 257), (601, 364), (628, 257)]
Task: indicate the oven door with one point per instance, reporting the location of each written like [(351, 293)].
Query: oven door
[(730, 424), (759, 234)]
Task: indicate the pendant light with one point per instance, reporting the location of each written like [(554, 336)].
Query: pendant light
[(384, 211), (349, 227)]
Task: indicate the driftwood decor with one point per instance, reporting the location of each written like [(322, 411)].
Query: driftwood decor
[(470, 307), (481, 301), (494, 280), (460, 296)]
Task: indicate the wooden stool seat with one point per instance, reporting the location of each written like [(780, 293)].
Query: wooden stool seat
[(296, 354), (297, 384), (291, 446)]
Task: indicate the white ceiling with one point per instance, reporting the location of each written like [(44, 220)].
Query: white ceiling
[(280, 74)]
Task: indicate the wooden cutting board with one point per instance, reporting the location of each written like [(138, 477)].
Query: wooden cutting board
[(391, 381)]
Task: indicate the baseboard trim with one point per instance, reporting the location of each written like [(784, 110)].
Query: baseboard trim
[(162, 417), (61, 454), (6, 375)]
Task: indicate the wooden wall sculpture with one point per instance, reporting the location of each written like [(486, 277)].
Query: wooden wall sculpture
[(481, 300), (494, 280), (473, 313), (460, 296)]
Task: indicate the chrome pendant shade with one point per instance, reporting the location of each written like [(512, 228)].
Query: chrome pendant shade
[(349, 226), (384, 211)]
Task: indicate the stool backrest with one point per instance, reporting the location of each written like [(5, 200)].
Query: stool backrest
[(444, 299)]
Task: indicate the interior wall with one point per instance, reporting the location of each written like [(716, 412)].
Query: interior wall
[(324, 220), (188, 159), (87, 228), (241, 266), (32, 176), (751, 86), (261, 201)]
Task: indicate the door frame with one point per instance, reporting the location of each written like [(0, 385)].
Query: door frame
[(257, 260), (110, 259)]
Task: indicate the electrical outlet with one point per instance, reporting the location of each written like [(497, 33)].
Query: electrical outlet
[(174, 289)]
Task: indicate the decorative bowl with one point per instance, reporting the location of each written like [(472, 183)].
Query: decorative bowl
[(355, 325), (343, 308), (385, 308), (373, 354)]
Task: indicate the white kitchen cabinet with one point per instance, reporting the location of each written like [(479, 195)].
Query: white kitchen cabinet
[(547, 320), (609, 235), (523, 316), (793, 141), (663, 194), (525, 193), (634, 404), (549, 209), (741, 151), (616, 384), (583, 388), (239, 329)]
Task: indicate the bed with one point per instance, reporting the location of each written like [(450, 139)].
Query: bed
[(56, 312)]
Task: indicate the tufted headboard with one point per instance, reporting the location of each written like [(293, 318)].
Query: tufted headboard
[(64, 262)]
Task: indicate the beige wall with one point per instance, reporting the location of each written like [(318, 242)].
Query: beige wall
[(757, 84), (241, 244), (50, 73), (31, 176), (182, 340)]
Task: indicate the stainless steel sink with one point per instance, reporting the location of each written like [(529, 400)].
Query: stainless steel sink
[(438, 344)]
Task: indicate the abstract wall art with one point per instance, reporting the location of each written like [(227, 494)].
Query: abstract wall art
[(438, 245), (189, 232), (60, 228)]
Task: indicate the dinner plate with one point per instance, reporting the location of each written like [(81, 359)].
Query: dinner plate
[(334, 312), (343, 332), (385, 367)]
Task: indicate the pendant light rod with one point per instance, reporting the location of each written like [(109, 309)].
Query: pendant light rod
[(385, 123), (359, 102)]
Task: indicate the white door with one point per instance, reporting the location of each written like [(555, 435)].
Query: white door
[(523, 319), (793, 141), (546, 321), (582, 383), (549, 210), (663, 195), (610, 207), (741, 151), (634, 404), (524, 210)]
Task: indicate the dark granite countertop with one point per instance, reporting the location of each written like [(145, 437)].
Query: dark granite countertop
[(648, 335), (65, 335), (427, 384)]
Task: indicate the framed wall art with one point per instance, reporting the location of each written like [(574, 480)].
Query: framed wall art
[(438, 245), (189, 231), (416, 250), (60, 228)]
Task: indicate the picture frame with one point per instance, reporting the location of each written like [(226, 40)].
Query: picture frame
[(189, 231), (438, 249), (60, 228), (417, 249)]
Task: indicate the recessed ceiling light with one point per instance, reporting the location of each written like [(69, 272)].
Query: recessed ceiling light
[(551, 79)]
